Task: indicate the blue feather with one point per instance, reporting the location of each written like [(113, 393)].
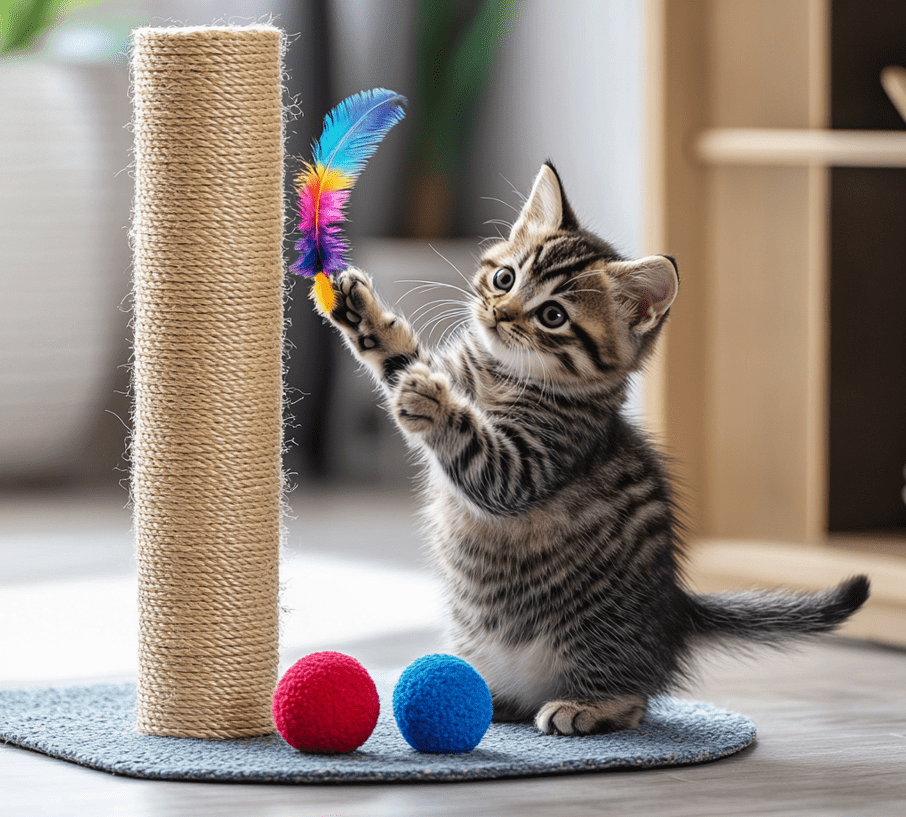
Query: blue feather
[(354, 129)]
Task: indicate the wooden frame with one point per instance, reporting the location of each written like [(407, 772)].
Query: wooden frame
[(738, 187)]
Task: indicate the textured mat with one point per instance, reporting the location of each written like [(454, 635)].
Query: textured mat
[(94, 726)]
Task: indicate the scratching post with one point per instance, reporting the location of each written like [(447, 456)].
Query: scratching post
[(208, 303)]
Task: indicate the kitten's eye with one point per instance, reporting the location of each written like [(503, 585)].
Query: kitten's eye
[(552, 315), (504, 279)]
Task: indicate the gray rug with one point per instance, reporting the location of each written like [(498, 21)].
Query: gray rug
[(94, 726)]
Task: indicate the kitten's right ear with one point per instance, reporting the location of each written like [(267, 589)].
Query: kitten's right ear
[(648, 287), (546, 208)]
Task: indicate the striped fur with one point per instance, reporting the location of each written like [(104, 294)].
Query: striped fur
[(550, 514)]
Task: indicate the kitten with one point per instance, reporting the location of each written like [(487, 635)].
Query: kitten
[(550, 514)]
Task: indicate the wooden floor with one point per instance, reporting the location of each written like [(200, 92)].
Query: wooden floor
[(831, 721)]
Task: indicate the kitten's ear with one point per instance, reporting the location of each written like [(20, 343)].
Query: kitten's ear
[(546, 208), (648, 287)]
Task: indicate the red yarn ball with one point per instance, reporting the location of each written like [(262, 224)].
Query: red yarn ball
[(326, 703)]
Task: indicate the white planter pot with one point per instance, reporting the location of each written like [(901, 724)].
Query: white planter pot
[(63, 255)]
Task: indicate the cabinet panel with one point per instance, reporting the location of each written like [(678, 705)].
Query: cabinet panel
[(758, 350)]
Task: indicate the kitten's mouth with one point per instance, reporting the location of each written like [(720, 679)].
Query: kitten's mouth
[(501, 335), (489, 331), (504, 341), (516, 357), (487, 322)]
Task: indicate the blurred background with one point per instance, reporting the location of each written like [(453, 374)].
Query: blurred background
[(487, 107), (494, 88), (751, 138)]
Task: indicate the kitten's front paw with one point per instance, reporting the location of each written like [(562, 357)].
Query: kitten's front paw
[(423, 399), (591, 717), (356, 307), (376, 334)]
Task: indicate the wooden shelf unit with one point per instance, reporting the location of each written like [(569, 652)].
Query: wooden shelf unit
[(739, 183)]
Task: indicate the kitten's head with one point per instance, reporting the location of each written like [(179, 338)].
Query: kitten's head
[(555, 302)]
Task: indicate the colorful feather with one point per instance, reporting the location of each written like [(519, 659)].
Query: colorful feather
[(352, 132)]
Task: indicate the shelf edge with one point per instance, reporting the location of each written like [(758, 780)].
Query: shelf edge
[(801, 147)]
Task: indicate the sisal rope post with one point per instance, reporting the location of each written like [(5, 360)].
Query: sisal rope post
[(207, 375)]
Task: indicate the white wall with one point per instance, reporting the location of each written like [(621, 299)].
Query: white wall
[(568, 86)]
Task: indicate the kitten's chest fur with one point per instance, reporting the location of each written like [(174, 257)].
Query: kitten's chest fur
[(498, 574), (512, 585)]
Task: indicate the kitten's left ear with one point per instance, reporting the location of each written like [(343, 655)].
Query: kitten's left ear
[(546, 208), (648, 287)]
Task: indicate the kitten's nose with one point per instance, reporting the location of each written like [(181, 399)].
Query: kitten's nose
[(501, 313)]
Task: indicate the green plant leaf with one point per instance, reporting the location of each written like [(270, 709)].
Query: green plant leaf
[(457, 70), (22, 22), (435, 23)]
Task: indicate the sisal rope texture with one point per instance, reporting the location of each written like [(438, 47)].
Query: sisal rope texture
[(207, 375)]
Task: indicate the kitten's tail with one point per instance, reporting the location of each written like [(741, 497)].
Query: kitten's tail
[(771, 617)]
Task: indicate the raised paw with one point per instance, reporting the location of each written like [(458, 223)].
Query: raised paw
[(377, 335), (356, 307), (423, 399), (591, 717)]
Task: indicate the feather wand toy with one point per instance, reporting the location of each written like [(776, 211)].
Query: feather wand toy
[(352, 132)]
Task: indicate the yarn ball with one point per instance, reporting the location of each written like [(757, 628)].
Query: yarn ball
[(442, 705), (326, 703)]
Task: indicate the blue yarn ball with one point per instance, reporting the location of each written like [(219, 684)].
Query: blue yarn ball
[(442, 705)]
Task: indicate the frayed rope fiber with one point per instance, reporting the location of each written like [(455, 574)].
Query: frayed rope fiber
[(207, 375)]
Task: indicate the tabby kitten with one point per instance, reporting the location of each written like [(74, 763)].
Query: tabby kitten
[(550, 514)]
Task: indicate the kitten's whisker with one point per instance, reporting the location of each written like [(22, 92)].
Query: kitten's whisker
[(432, 305), (453, 306), (522, 197), (434, 319), (439, 321), (516, 210), (439, 318), (451, 332), (458, 271), (452, 313), (432, 285), (435, 283), (416, 289)]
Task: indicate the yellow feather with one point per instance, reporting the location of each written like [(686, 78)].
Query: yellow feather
[(324, 295)]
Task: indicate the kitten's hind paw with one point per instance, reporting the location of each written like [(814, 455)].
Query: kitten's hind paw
[(591, 717)]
